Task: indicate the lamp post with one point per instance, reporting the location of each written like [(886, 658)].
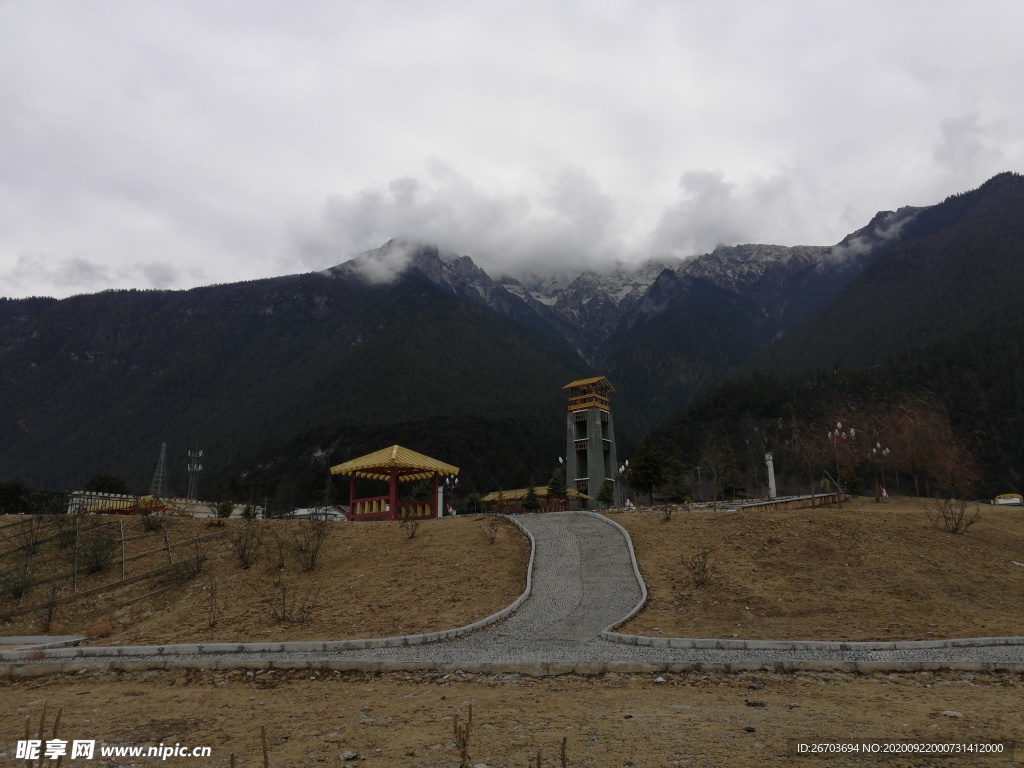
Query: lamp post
[(878, 455), (451, 482), (624, 473), (837, 439), (563, 474)]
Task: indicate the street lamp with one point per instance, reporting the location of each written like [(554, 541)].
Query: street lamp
[(563, 478), (878, 455), (836, 439), (450, 484), (624, 474)]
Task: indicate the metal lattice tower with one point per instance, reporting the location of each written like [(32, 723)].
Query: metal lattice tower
[(158, 487), (194, 468)]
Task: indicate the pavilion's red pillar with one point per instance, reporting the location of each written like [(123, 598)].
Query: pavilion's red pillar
[(352, 495), (394, 494), (436, 510)]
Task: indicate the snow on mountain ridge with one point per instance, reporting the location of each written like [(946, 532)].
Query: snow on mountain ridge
[(785, 282)]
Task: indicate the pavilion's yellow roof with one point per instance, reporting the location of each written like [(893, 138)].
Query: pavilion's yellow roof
[(517, 494), (379, 464), (593, 384)]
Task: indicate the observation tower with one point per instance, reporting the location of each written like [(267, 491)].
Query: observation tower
[(590, 437)]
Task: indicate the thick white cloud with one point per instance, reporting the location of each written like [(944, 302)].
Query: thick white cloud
[(204, 138), (572, 221)]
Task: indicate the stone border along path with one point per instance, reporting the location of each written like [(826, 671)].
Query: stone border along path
[(583, 582)]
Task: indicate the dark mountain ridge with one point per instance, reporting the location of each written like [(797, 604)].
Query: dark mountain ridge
[(410, 344), (937, 313), (957, 267)]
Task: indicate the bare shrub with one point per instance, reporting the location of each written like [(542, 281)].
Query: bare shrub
[(309, 538), (666, 514), (151, 522), (47, 611), (952, 516), (96, 548), (16, 582), (278, 548), (493, 526), (186, 570), (67, 529), (700, 568), (247, 541), (286, 604), (30, 534), (411, 526)]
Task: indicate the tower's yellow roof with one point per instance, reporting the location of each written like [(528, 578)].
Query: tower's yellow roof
[(379, 464), (591, 385)]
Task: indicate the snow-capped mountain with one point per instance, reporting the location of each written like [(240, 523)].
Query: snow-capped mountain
[(784, 283)]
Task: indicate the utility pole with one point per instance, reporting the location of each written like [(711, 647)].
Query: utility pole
[(158, 487), (194, 468)]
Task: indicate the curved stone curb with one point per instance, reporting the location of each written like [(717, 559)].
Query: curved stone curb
[(719, 644), (397, 641), (533, 669), (39, 642)]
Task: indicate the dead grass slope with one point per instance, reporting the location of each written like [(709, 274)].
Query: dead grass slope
[(864, 572), (371, 580)]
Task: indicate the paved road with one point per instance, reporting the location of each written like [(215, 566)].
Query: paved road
[(583, 582)]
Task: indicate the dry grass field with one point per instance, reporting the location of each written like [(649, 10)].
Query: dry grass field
[(864, 572), (696, 720), (370, 580), (833, 569)]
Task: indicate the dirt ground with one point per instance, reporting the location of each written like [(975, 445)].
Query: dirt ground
[(850, 573), (864, 572), (694, 720), (370, 580)]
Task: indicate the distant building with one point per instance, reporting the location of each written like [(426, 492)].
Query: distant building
[(502, 501)]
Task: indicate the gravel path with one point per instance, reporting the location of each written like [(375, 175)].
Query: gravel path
[(583, 582)]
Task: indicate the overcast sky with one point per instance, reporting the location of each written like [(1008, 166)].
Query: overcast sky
[(172, 144)]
